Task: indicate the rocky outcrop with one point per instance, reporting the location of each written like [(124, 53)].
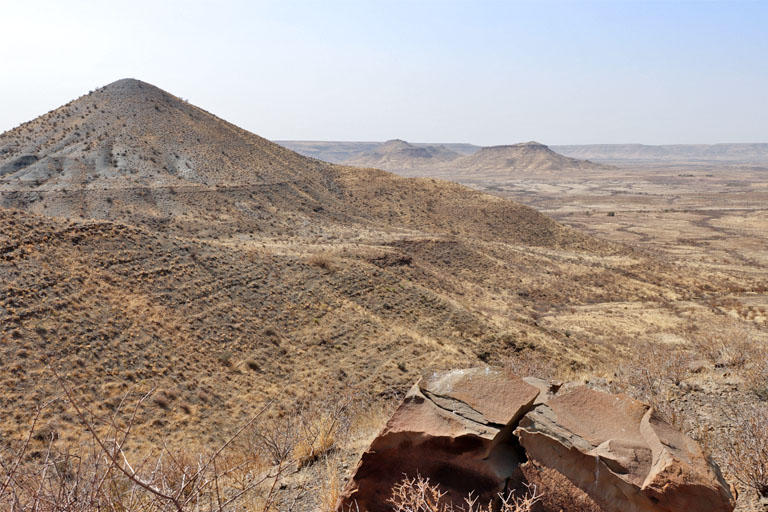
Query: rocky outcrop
[(622, 454), (471, 430), (17, 163), (454, 428)]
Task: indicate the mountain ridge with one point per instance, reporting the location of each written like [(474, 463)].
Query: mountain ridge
[(271, 276), (727, 152), (626, 154), (399, 154), (132, 152)]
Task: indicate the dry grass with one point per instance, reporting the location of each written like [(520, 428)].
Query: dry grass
[(322, 260), (729, 346), (331, 486), (246, 472), (557, 492), (418, 495), (101, 475), (322, 427), (747, 447), (187, 283), (269, 463)]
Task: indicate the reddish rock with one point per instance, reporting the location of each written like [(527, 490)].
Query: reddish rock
[(619, 452), (454, 428), (470, 430)]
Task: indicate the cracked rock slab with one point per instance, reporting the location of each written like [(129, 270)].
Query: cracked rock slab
[(470, 430), (453, 427), (622, 454)]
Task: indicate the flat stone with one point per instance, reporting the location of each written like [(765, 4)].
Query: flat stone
[(619, 452), (454, 428)]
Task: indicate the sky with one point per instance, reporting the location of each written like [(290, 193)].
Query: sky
[(484, 72)]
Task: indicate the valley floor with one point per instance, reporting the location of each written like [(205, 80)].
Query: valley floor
[(679, 321), (708, 218)]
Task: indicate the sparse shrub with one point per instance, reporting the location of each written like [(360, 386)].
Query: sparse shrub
[(484, 356), (46, 434), (418, 495), (225, 358), (322, 428), (731, 346), (747, 447), (321, 260), (161, 402), (530, 366), (663, 365), (274, 439), (757, 376), (98, 475)]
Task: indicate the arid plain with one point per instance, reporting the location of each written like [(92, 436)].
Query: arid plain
[(702, 357)]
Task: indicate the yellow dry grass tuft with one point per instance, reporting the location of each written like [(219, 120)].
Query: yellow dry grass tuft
[(418, 495)]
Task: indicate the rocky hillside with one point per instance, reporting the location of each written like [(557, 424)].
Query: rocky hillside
[(144, 241), (113, 306), (133, 153)]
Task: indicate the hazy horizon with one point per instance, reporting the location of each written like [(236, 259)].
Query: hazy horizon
[(486, 73), (520, 142)]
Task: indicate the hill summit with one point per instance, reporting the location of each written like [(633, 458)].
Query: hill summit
[(133, 153), (449, 161), (399, 154), (131, 132), (520, 158)]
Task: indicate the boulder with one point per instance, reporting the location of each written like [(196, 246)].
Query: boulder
[(485, 431), (619, 452), (454, 428)]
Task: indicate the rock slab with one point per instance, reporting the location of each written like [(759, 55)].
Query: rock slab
[(453, 428), (471, 430), (622, 454)]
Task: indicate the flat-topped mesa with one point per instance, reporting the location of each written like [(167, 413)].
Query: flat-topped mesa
[(473, 431), (530, 145), (399, 154), (512, 159), (395, 143)]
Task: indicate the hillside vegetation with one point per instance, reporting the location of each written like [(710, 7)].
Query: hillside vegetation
[(146, 244)]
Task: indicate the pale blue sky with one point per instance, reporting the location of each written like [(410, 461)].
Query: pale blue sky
[(486, 72)]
